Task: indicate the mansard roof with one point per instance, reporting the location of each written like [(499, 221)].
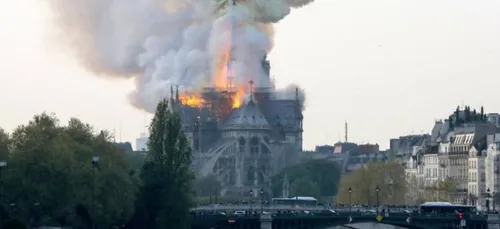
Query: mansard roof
[(248, 116), (476, 131)]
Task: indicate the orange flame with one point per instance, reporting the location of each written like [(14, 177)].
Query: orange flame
[(220, 79), (221, 70), (238, 97), (191, 100)]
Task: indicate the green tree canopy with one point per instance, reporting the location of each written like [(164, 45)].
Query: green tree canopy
[(388, 177), (305, 187), (4, 145), (134, 158), (325, 174), (165, 193), (442, 191), (50, 168)]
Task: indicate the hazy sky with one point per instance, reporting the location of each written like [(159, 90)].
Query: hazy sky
[(388, 67)]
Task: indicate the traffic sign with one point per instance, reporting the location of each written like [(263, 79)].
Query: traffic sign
[(350, 219), (379, 218), (463, 223), (408, 220)]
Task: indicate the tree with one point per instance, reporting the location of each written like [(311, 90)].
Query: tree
[(482, 114), (134, 158), (450, 121), (305, 187), (467, 114), (413, 195), (4, 145), (446, 188), (388, 177), (325, 174), (165, 194), (49, 172)]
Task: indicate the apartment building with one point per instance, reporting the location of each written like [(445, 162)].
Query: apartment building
[(431, 168), (458, 157), (464, 148), (476, 175), (413, 193), (492, 165)]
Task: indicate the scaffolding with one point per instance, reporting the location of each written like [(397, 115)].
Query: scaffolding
[(219, 102)]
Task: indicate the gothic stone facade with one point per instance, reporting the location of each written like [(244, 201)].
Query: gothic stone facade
[(246, 146)]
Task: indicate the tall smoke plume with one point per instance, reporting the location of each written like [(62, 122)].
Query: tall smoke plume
[(161, 43)]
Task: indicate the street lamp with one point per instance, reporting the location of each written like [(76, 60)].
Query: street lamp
[(488, 201), (350, 200), (2, 165), (251, 200), (95, 163), (262, 201), (377, 190)]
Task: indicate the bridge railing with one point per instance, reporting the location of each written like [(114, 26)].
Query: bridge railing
[(256, 207), (292, 207), (294, 211)]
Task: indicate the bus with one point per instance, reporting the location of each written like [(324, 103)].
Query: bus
[(446, 208), (297, 201)]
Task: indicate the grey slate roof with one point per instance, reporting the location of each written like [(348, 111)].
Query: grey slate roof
[(248, 116)]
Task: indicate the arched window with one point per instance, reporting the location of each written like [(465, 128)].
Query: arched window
[(254, 145), (241, 144)]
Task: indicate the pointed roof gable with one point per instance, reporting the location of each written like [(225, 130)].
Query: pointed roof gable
[(248, 116)]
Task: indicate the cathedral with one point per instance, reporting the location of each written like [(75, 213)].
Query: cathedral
[(244, 146)]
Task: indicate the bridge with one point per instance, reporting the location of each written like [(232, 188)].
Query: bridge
[(312, 221), (283, 207)]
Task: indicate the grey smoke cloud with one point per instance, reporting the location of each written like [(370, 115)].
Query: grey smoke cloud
[(161, 43), (289, 92)]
